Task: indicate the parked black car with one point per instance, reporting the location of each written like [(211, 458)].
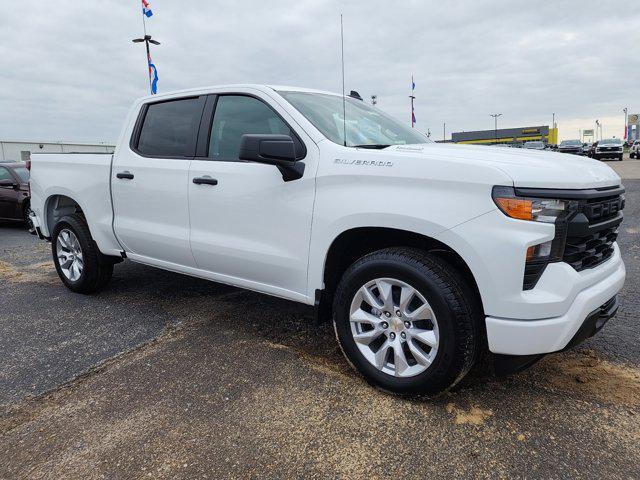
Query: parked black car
[(570, 146), (14, 192)]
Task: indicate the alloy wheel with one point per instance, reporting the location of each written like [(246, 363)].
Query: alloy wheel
[(394, 327), (69, 254)]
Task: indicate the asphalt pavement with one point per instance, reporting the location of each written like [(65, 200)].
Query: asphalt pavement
[(166, 376)]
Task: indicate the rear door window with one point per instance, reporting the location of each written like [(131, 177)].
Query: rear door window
[(170, 129)]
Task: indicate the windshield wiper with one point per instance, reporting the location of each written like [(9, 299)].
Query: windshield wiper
[(375, 146)]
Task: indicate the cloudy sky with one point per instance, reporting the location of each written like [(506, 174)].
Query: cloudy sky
[(69, 71)]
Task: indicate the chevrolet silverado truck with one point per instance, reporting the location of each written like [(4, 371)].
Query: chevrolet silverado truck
[(424, 255)]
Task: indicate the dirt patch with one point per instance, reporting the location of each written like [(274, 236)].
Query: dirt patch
[(43, 272), (586, 375), (7, 271), (473, 416)]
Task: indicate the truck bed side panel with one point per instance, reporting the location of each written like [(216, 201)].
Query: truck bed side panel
[(85, 178)]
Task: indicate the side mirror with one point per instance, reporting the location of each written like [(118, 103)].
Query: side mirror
[(8, 184), (277, 150)]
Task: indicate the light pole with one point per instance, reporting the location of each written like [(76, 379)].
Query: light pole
[(625, 110), (444, 131), (495, 118), (553, 120)]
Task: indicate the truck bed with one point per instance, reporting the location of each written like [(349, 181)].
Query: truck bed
[(84, 178)]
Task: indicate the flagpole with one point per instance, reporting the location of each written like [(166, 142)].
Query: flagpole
[(147, 40), (146, 43), (412, 97)]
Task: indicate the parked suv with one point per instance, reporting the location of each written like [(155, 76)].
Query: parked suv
[(14, 193), (423, 255), (609, 148), (634, 150)]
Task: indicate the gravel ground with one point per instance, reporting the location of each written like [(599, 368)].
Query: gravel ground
[(165, 376)]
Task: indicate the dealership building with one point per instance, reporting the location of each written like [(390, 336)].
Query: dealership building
[(21, 151), (515, 136)]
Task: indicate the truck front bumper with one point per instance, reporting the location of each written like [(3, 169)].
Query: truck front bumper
[(533, 337)]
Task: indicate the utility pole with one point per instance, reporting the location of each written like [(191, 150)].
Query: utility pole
[(553, 121), (495, 129)]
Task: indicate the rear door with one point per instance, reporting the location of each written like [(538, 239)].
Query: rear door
[(150, 180), (249, 226)]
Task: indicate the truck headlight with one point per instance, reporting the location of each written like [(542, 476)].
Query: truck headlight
[(554, 211), (546, 210)]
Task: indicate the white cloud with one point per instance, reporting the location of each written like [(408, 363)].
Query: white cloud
[(69, 69)]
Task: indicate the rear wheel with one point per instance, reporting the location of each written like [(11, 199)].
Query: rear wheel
[(405, 320), (79, 263)]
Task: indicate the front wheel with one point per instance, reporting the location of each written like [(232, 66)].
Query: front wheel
[(79, 263), (407, 321)]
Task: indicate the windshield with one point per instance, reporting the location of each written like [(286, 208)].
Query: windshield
[(571, 143), (615, 141), (23, 173), (365, 125), (534, 145)]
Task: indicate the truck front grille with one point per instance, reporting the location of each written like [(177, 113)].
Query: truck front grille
[(590, 250), (592, 232)]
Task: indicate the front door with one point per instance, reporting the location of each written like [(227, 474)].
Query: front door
[(248, 226), (149, 182)]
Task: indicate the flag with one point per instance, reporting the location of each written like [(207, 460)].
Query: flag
[(146, 9), (153, 77), (413, 118), (413, 84)]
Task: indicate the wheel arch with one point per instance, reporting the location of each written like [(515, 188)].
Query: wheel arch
[(57, 206), (352, 244)]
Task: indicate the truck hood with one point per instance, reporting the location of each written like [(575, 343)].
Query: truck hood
[(527, 168)]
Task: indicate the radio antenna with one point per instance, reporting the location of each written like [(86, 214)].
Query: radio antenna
[(344, 101)]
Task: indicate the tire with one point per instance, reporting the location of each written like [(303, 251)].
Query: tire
[(632, 155), (96, 268), (26, 218), (454, 324), (620, 158)]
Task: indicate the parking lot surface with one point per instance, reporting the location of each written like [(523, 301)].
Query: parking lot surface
[(166, 376)]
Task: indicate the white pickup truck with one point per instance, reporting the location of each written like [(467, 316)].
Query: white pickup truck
[(424, 254)]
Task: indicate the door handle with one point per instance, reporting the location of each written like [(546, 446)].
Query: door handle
[(126, 174), (206, 180)]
